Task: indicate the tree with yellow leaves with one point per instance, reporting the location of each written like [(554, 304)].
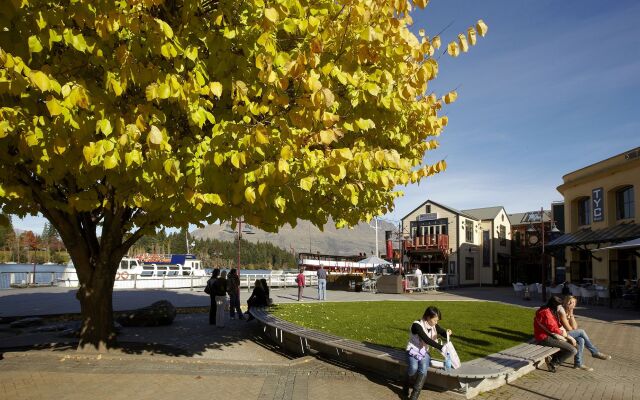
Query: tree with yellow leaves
[(117, 117)]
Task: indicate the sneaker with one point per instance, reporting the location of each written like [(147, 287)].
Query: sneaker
[(602, 356), (584, 368), (549, 361)]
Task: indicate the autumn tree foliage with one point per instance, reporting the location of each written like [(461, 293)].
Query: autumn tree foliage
[(117, 117)]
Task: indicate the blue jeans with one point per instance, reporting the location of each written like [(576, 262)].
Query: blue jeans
[(583, 341), (418, 366), (322, 289)]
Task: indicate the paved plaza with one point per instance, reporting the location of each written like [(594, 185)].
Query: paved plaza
[(191, 359)]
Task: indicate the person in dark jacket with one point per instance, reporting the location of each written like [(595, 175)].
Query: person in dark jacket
[(257, 298), (424, 333), (220, 293), (265, 287), (233, 289), (209, 289)]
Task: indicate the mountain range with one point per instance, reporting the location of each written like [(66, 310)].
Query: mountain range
[(306, 237)]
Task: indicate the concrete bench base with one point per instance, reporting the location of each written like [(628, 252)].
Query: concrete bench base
[(472, 378)]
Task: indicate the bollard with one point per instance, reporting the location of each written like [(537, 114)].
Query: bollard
[(135, 280), (527, 295), (192, 281)]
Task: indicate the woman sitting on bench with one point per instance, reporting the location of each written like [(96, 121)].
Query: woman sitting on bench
[(569, 323), (424, 333), (547, 332)]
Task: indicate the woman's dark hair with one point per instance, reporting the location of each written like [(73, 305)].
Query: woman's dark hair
[(232, 272), (431, 312), (215, 273), (552, 304)]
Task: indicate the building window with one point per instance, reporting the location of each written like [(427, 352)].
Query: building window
[(469, 268), (503, 235), (625, 203), (428, 208), (584, 211), (413, 231), (468, 228)]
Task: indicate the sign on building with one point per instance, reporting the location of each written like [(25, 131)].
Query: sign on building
[(427, 217), (597, 202)]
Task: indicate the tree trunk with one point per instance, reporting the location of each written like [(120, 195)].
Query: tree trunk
[(95, 296)]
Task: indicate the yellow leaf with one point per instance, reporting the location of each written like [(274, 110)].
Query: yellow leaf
[(218, 159), (435, 42), (88, 152), (327, 136), (450, 97), (250, 194), (165, 28), (307, 183), (286, 153), (235, 160), (471, 36), (261, 135), (462, 41), (41, 80), (34, 44), (164, 91), (54, 107), (110, 161), (453, 49), (421, 3), (482, 28), (155, 135), (5, 128), (191, 53), (271, 14), (216, 88), (283, 166), (104, 126)]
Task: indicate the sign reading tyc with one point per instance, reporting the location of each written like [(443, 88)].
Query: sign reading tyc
[(597, 202)]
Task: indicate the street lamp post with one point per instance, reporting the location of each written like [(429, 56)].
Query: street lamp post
[(544, 269), (240, 231)]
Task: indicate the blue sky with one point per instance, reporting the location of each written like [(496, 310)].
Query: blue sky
[(553, 87)]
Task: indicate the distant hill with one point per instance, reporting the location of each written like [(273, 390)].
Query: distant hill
[(305, 236)]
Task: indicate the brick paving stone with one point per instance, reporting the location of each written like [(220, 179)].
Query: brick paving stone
[(191, 359)]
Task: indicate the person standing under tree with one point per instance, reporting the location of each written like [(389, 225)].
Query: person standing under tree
[(300, 282), (220, 292), (209, 289), (233, 289), (322, 283)]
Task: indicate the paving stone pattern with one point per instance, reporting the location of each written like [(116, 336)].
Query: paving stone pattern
[(192, 360)]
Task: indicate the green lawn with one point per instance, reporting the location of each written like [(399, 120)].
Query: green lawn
[(479, 328)]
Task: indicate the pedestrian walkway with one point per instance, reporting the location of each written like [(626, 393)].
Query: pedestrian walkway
[(191, 358)]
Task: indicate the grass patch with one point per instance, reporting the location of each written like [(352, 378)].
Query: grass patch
[(479, 328)]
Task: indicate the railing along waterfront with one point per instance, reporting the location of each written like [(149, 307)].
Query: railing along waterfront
[(13, 280)]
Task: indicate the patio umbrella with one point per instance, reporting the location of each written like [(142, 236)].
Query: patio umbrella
[(373, 261), (631, 244)]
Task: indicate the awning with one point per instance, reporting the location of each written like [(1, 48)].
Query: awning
[(614, 234), (631, 244)]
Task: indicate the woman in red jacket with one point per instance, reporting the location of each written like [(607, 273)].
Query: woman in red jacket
[(547, 332)]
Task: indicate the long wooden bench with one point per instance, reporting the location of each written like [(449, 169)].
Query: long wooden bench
[(473, 377)]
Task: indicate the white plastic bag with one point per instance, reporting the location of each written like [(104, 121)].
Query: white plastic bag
[(453, 354)]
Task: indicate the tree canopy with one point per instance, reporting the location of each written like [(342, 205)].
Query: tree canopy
[(197, 111), (117, 117)]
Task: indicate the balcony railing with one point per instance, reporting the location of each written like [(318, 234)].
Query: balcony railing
[(440, 242)]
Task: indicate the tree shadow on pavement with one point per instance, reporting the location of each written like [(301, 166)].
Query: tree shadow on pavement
[(190, 334)]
